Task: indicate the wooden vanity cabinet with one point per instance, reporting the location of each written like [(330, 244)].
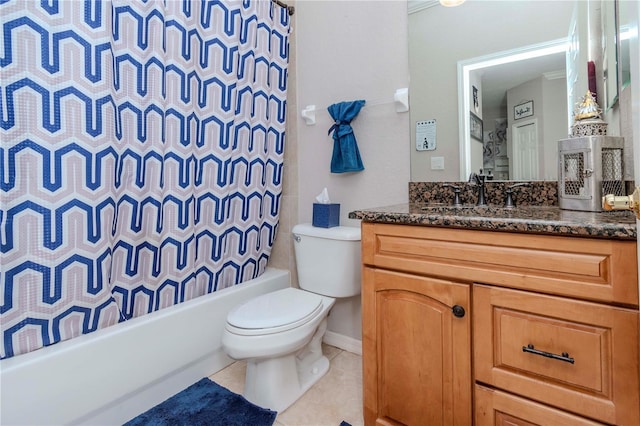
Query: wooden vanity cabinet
[(522, 295)]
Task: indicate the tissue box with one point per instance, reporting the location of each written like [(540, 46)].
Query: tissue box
[(326, 215)]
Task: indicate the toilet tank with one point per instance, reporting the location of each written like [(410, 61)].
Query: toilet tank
[(328, 259)]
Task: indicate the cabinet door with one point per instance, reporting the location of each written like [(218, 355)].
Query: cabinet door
[(416, 351)]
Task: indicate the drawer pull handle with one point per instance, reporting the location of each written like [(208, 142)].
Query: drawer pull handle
[(564, 357)]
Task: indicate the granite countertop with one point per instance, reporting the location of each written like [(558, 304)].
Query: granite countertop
[(534, 219)]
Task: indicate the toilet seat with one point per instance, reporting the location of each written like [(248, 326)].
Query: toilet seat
[(274, 312)]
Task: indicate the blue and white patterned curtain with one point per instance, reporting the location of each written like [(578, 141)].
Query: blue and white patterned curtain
[(140, 159)]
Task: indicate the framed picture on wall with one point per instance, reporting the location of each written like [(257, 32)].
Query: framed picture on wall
[(475, 124), (476, 102), (523, 110)]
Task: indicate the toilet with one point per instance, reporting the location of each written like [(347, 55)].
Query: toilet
[(279, 334)]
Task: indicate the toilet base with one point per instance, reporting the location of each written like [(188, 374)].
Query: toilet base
[(276, 383)]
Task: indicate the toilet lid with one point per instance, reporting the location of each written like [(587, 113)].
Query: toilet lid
[(283, 309)]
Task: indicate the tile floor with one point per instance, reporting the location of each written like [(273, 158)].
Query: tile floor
[(336, 397)]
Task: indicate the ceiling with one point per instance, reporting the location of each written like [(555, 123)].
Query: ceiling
[(498, 79)]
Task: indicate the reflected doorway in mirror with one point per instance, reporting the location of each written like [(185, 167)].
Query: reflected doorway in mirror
[(526, 151)]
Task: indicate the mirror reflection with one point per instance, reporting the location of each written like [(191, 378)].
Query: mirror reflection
[(624, 31), (495, 95), (521, 96)]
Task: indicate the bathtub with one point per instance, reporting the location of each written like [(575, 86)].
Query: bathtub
[(110, 376)]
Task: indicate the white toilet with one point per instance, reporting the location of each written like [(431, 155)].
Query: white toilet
[(279, 334)]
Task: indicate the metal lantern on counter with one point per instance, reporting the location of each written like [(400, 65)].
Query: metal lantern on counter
[(590, 163)]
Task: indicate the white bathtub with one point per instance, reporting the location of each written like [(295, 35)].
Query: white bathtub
[(112, 375)]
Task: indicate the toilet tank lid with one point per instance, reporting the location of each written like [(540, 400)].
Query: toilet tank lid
[(336, 233)]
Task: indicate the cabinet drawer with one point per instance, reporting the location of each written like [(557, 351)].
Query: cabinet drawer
[(494, 408), (574, 355), (584, 268)]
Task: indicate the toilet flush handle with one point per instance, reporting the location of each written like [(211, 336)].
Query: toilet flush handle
[(296, 238)]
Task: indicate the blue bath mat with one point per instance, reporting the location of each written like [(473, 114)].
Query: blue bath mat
[(205, 403)]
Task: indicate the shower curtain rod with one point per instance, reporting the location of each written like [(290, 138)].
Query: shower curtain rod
[(290, 9)]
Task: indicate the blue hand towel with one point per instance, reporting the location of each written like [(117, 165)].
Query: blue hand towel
[(346, 156)]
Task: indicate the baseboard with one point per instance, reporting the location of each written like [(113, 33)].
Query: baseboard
[(343, 342)]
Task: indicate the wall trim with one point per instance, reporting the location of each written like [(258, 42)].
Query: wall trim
[(418, 5), (343, 342), (555, 75)]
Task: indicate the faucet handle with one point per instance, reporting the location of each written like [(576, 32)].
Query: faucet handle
[(477, 179), (456, 193), (481, 177), (518, 184), (509, 202)]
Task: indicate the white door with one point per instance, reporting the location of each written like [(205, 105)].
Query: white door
[(525, 150)]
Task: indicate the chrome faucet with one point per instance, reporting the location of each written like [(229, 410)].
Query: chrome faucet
[(479, 180)]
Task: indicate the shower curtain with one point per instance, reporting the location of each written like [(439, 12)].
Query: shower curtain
[(141, 157)]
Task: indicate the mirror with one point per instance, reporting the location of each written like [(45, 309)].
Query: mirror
[(476, 29), (610, 53), (624, 33), (522, 98)]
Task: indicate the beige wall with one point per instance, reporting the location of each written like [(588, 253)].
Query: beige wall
[(282, 256), (555, 123), (348, 50), (340, 51), (344, 50)]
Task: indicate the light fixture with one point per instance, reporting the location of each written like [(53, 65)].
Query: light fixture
[(451, 3)]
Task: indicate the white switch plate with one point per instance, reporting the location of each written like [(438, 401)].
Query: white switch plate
[(437, 163)]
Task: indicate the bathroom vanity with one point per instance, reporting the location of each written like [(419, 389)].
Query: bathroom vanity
[(499, 316)]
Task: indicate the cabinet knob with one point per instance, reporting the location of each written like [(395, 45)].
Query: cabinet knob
[(458, 311)]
